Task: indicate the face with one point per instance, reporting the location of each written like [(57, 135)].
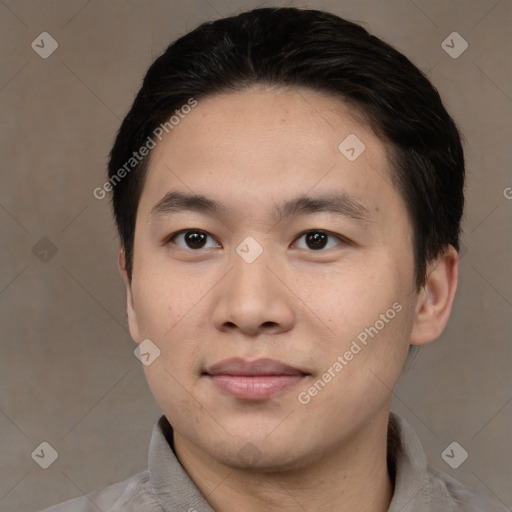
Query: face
[(283, 317)]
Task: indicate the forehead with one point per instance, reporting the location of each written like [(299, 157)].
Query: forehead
[(267, 116), (261, 143)]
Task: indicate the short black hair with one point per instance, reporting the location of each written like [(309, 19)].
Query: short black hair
[(291, 47)]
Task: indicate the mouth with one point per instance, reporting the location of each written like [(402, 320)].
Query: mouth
[(253, 380)]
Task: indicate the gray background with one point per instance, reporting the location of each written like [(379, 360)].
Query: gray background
[(69, 375)]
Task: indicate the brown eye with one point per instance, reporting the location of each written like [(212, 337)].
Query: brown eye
[(318, 239), (193, 239)]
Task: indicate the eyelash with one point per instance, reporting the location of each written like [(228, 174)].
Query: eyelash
[(340, 238)]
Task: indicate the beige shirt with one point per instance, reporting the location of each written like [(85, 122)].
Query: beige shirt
[(166, 487)]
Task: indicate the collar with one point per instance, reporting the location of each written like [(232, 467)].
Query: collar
[(408, 465), (175, 490)]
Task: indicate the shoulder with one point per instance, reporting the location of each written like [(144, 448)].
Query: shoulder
[(461, 497), (420, 487), (106, 498)]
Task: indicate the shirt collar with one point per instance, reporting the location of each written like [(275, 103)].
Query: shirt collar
[(172, 486), (408, 462), (175, 490)]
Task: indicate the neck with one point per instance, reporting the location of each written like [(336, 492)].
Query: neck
[(352, 476)]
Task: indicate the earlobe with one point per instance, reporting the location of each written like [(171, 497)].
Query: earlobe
[(130, 307), (435, 299)]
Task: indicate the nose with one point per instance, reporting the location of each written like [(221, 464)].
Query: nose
[(253, 298)]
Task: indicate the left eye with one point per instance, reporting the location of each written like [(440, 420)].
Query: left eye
[(196, 239), (317, 240)]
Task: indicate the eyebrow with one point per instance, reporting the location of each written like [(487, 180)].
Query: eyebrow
[(338, 203)]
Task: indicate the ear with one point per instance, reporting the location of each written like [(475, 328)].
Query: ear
[(130, 307), (436, 298)]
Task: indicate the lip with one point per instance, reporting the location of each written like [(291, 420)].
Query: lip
[(253, 380)]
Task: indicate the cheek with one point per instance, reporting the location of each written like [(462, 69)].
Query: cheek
[(173, 393), (162, 300), (360, 369), (367, 319), (170, 312), (166, 308), (351, 296)]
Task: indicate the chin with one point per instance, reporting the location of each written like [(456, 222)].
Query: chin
[(256, 453), (252, 459)]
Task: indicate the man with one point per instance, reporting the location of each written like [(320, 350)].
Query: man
[(288, 191)]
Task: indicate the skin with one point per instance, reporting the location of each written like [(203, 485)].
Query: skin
[(300, 306)]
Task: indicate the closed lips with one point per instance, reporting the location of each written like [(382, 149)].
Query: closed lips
[(260, 367), (253, 380)]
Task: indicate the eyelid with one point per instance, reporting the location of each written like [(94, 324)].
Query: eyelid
[(327, 232), (342, 239), (168, 239)]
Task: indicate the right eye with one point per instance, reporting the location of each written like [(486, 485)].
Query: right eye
[(193, 238)]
